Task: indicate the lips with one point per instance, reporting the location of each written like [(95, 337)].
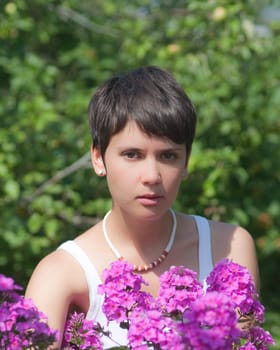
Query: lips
[(150, 196), (149, 199)]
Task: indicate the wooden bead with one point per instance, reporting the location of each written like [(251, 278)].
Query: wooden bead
[(153, 264)]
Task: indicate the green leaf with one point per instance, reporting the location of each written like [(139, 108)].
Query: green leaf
[(12, 189)]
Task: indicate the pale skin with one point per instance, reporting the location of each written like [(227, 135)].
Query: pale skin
[(143, 175)]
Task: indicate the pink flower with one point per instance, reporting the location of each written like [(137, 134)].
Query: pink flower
[(178, 288), (8, 284), (122, 291), (211, 323), (236, 281), (150, 327), (82, 334), (22, 326), (247, 346), (258, 338)]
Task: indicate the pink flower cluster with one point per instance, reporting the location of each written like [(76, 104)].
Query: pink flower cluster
[(82, 334), (22, 326), (184, 316), (123, 290)]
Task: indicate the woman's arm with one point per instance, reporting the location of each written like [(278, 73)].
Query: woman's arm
[(51, 291)]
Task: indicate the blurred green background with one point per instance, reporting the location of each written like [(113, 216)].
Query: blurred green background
[(53, 54)]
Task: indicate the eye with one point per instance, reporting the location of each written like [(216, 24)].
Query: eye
[(168, 155), (131, 154)]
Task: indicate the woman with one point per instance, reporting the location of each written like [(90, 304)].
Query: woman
[(143, 126)]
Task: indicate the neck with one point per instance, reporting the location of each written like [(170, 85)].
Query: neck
[(138, 232)]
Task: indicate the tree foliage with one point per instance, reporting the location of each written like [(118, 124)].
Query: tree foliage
[(52, 56)]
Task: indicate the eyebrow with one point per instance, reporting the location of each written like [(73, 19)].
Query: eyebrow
[(133, 148)]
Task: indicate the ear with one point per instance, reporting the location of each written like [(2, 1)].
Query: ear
[(97, 161)]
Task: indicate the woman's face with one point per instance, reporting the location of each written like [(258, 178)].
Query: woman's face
[(143, 172)]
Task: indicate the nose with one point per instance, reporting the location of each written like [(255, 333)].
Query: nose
[(151, 173)]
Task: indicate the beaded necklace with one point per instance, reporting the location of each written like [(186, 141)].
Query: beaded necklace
[(154, 263)]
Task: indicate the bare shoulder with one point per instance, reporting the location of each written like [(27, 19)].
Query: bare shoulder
[(230, 238), (61, 267), (236, 243), (56, 284), (57, 269)]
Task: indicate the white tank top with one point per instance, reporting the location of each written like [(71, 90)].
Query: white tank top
[(93, 279)]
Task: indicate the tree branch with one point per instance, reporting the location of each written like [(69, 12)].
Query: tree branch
[(78, 164), (82, 20)]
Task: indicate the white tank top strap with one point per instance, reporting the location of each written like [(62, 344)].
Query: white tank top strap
[(92, 277), (205, 248)]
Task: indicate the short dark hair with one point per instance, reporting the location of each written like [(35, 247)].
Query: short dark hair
[(152, 98)]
